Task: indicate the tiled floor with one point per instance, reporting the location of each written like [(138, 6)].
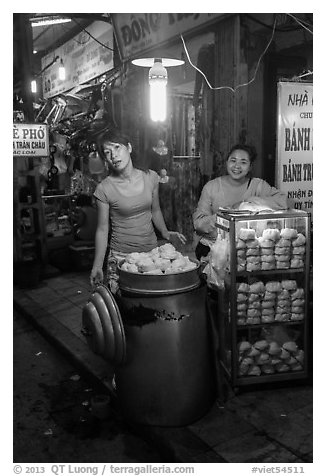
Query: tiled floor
[(264, 425)]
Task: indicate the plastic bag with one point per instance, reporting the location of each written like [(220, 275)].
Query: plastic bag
[(218, 262)]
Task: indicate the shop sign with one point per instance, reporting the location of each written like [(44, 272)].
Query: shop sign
[(139, 32), (84, 59), (30, 140), (294, 165)]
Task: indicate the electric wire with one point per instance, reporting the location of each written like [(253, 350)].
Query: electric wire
[(93, 37), (239, 85), (308, 73), (280, 30), (300, 23), (74, 39), (300, 19)]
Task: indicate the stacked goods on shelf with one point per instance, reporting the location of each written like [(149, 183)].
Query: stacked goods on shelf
[(275, 249), (260, 303), (263, 357)]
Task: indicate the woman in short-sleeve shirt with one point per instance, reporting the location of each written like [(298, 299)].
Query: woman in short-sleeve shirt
[(128, 207), (229, 191)]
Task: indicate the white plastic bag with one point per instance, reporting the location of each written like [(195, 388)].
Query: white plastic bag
[(218, 263)]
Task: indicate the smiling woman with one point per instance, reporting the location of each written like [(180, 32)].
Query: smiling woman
[(229, 191), (128, 208)]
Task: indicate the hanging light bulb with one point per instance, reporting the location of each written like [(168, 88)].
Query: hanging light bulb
[(158, 78), (62, 71), (33, 86)]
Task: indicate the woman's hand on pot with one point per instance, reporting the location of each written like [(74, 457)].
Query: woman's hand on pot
[(178, 235), (96, 276)]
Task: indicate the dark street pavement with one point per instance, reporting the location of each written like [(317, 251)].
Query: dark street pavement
[(269, 424), (53, 415)]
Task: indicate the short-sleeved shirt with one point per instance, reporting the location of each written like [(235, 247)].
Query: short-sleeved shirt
[(131, 225), (220, 193)]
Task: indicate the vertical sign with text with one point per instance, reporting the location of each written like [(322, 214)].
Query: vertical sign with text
[(294, 165)]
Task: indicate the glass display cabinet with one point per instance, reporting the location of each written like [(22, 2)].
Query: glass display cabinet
[(263, 319)]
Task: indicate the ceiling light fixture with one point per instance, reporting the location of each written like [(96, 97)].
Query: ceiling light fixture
[(157, 78), (44, 21), (62, 71)]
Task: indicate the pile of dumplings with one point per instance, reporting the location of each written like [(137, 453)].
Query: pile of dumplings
[(273, 301), (164, 259), (265, 357), (275, 249)]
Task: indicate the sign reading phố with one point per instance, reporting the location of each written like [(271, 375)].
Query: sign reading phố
[(139, 32), (30, 140), (294, 166), (85, 57)]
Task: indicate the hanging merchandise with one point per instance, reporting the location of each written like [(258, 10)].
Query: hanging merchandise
[(53, 170), (44, 166), (191, 131), (89, 185), (70, 158), (76, 183), (60, 143), (60, 160), (80, 183), (95, 163), (74, 165)]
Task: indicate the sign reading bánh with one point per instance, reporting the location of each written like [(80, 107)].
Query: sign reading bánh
[(85, 57), (294, 165), (30, 140), (139, 32)]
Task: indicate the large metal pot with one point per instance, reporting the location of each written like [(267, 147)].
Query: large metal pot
[(168, 377), (156, 333)]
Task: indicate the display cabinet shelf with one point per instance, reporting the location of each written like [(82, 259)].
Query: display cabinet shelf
[(270, 272), (263, 313), (275, 323)]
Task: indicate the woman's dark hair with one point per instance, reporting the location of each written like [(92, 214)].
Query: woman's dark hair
[(250, 149)]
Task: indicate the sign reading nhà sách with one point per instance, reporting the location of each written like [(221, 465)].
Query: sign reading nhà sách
[(139, 32), (294, 165), (30, 140), (85, 57)]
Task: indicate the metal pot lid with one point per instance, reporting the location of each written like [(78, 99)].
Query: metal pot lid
[(118, 328), (92, 328), (107, 329)]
